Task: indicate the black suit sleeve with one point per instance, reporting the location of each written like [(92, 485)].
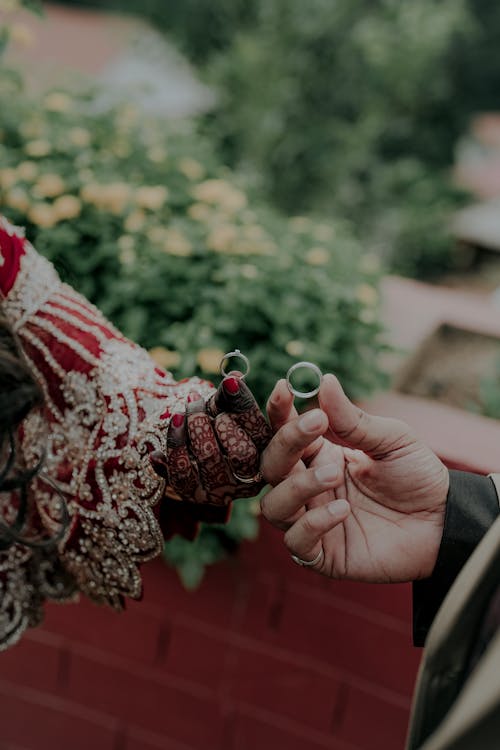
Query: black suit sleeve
[(471, 508)]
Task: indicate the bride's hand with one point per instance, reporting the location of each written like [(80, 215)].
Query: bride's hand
[(214, 448)]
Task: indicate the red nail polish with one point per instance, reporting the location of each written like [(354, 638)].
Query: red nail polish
[(193, 396), (231, 385), (178, 420)]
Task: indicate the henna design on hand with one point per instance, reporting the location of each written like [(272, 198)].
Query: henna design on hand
[(253, 423), (240, 451), (183, 477)]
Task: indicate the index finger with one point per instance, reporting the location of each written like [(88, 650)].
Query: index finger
[(290, 443), (235, 397)]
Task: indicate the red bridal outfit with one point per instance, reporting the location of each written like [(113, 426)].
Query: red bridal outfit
[(104, 401)]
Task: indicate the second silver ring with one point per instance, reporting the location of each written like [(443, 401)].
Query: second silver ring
[(304, 365)]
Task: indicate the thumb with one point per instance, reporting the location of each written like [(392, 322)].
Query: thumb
[(376, 436)]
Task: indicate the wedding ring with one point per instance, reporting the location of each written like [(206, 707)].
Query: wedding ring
[(309, 563), (308, 366), (249, 480), (238, 354)]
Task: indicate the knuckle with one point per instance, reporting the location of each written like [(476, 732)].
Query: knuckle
[(310, 525)]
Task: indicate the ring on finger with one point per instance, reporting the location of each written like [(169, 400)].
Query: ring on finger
[(249, 480), (309, 563)]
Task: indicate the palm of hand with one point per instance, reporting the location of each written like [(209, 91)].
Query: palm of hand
[(397, 505)]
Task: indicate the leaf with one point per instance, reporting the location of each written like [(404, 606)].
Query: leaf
[(191, 573)]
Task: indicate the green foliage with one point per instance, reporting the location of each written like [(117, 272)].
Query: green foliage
[(141, 218), (325, 103), (212, 544), (340, 106)]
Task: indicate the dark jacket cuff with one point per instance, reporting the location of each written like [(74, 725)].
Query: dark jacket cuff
[(471, 508)]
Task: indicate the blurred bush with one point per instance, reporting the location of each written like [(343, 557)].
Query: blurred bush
[(141, 218), (348, 108)]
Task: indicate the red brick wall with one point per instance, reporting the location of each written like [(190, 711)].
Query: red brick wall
[(263, 655)]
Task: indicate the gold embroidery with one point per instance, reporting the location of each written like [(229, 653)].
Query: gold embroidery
[(100, 420)]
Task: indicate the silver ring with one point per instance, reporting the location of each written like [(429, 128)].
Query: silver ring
[(249, 480), (309, 563), (309, 366), (235, 353)]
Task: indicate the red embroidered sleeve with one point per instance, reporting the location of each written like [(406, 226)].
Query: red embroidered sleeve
[(106, 407)]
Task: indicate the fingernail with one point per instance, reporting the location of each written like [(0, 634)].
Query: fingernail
[(311, 421), (231, 385), (193, 396), (327, 474), (338, 507), (178, 420)]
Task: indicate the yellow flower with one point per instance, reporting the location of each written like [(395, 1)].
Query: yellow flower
[(21, 34), (48, 186), (209, 359), (27, 170), (199, 211), (157, 234), (116, 195), (57, 101), (295, 348), (367, 295), (221, 238), (126, 242), (151, 197), (38, 148), (221, 193), (191, 168), (8, 177), (157, 154), (17, 198), (367, 315), (67, 207), (43, 215), (165, 358), (177, 244), (317, 256), (112, 197), (135, 221), (127, 256), (79, 137)]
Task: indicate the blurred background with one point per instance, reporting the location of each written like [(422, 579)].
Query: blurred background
[(313, 181)]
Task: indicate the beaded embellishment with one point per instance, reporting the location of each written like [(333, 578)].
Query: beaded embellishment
[(104, 398)]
